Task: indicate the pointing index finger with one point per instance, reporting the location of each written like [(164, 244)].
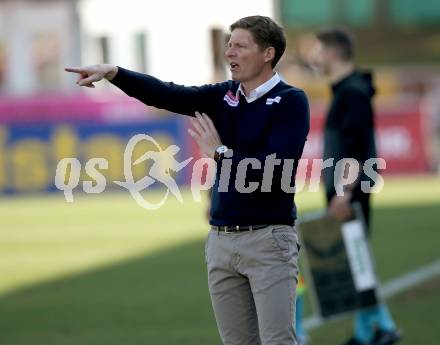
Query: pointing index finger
[(73, 69)]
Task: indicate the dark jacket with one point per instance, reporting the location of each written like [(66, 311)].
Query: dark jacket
[(349, 127)]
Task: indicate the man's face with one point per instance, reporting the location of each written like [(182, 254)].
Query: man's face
[(321, 57), (246, 59)]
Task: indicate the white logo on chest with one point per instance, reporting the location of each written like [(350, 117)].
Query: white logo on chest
[(270, 101)]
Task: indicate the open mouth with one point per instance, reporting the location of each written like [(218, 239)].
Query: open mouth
[(233, 66)]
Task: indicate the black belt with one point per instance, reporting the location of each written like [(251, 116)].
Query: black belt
[(238, 228)]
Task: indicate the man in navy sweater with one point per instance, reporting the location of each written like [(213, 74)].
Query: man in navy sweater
[(255, 127)]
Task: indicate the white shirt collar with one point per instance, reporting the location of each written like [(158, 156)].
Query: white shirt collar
[(260, 90)]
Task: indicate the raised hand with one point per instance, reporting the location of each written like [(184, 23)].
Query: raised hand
[(205, 134), (88, 75)]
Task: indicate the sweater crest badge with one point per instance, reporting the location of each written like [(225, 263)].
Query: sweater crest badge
[(231, 99), (270, 101)]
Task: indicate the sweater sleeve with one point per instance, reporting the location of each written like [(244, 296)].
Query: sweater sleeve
[(179, 99)]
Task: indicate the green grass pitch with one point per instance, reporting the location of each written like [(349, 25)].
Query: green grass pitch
[(104, 271)]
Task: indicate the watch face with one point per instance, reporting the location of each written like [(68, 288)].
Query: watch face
[(222, 149)]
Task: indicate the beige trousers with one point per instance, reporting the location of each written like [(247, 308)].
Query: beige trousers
[(252, 279)]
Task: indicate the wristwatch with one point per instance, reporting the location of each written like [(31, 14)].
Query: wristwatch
[(219, 151)]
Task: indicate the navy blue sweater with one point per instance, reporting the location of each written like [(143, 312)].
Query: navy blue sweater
[(251, 130)]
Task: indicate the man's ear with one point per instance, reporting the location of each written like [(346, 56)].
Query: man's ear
[(269, 54)]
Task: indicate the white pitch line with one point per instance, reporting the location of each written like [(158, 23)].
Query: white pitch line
[(409, 280), (391, 288)]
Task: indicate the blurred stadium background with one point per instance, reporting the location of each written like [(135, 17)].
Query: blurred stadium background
[(104, 271)]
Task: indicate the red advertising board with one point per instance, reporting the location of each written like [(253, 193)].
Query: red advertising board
[(400, 139)]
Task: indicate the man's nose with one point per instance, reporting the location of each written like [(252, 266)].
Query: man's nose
[(230, 52)]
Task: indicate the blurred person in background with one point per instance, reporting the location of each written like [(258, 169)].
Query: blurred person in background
[(252, 248), (431, 106), (301, 333), (349, 133)]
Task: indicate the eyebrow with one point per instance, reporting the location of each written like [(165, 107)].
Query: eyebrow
[(237, 43)]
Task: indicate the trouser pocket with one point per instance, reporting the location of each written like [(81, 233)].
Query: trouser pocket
[(285, 241)]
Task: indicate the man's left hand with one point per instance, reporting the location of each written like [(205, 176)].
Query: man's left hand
[(340, 207), (205, 134)]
